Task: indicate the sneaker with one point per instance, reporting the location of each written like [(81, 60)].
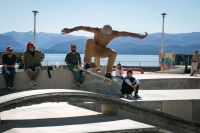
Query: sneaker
[(9, 87), (32, 83), (108, 75), (136, 96), (88, 66), (122, 95), (129, 96)]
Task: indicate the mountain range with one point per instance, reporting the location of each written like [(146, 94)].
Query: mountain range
[(183, 43)]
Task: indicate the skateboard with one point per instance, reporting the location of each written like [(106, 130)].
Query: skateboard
[(105, 79)]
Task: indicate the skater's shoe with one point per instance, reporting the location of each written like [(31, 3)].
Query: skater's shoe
[(129, 96), (108, 75), (88, 66)]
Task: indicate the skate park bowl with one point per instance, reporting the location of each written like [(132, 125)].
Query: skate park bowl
[(174, 95), (109, 106)]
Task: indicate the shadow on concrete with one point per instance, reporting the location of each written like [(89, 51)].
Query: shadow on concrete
[(5, 91), (48, 122)]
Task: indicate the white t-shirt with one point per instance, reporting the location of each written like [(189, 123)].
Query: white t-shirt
[(119, 72), (130, 83)]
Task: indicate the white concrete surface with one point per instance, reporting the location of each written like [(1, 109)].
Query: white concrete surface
[(17, 95), (64, 118), (169, 95), (180, 103), (154, 75)]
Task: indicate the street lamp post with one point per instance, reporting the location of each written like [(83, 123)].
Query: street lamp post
[(162, 67), (34, 37), (163, 32)]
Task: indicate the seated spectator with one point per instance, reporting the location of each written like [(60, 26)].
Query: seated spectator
[(9, 60), (129, 85), (73, 60), (32, 62), (119, 71)]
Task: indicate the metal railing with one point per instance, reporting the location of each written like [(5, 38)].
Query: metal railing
[(104, 62)]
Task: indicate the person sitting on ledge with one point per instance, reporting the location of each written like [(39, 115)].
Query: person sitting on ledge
[(129, 85), (119, 71), (96, 47), (73, 61), (32, 62), (9, 60)]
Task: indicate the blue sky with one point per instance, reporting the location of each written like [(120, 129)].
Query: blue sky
[(128, 15)]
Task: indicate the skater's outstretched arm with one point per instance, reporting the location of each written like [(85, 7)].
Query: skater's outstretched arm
[(123, 34), (84, 28)]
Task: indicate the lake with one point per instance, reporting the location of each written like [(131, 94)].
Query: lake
[(125, 60)]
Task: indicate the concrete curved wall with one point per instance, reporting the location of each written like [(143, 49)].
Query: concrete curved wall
[(148, 116)]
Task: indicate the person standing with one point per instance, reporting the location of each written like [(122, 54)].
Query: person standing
[(32, 62), (73, 61), (9, 60), (195, 62)]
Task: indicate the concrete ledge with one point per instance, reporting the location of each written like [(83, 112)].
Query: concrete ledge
[(143, 115), (170, 83), (60, 79)]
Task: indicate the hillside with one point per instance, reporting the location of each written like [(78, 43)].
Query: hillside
[(184, 43)]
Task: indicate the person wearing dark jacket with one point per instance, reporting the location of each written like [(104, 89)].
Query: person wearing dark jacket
[(129, 85), (32, 62), (9, 60), (73, 61)]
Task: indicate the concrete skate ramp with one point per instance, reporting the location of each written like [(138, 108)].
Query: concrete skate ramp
[(111, 104), (62, 79)]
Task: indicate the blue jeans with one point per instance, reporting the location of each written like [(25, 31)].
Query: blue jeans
[(78, 74), (9, 78)]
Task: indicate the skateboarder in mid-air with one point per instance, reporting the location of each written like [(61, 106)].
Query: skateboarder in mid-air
[(96, 47)]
